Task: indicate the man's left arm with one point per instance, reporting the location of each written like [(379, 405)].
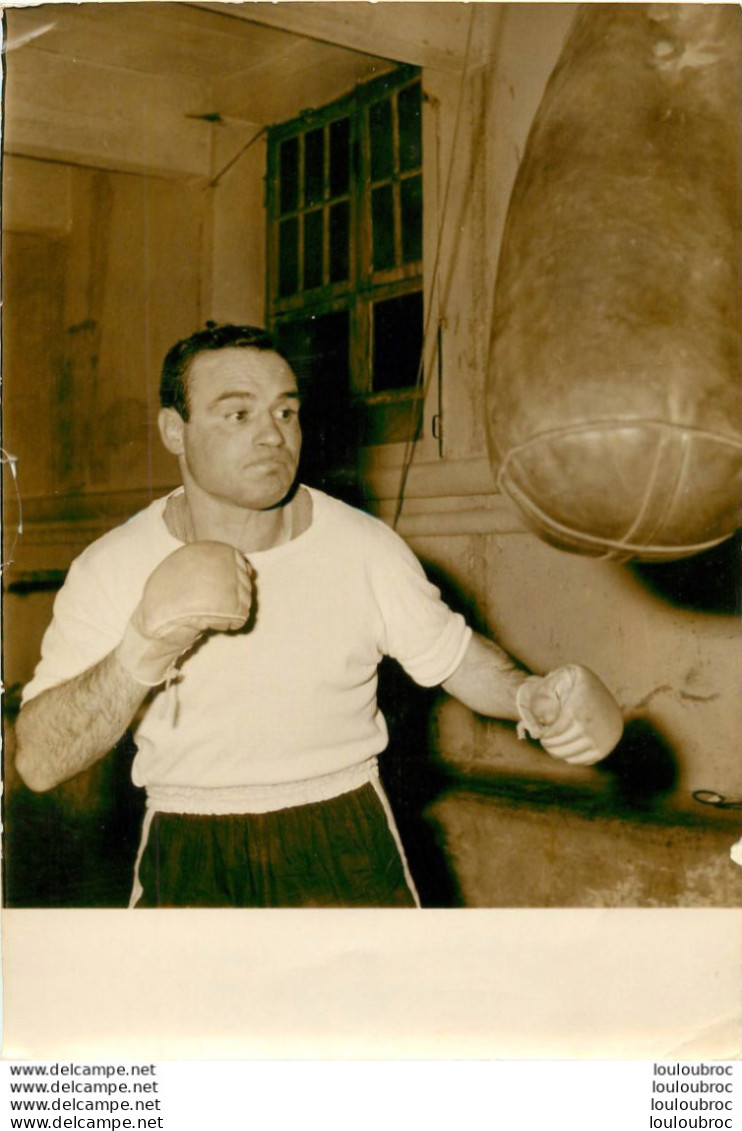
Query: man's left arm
[(570, 711), (487, 680)]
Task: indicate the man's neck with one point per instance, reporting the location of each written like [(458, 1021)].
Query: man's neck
[(193, 517)]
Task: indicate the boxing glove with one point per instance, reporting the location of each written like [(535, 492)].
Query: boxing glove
[(200, 587), (571, 713), (735, 852)]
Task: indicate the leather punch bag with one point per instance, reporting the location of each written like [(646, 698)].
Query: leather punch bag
[(614, 399)]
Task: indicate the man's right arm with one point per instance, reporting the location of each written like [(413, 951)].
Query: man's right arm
[(68, 728), (201, 587)]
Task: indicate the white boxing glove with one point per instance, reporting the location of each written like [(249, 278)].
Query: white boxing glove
[(201, 586), (571, 713), (735, 852)]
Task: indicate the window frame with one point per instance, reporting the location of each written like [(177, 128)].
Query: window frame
[(364, 286)]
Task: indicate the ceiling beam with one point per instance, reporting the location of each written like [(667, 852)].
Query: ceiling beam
[(427, 34), (76, 111), (319, 75)]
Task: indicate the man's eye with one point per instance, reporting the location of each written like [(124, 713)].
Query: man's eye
[(286, 414), (239, 416)]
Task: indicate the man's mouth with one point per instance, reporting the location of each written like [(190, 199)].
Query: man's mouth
[(266, 461)]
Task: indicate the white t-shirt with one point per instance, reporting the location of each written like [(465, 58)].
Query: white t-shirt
[(292, 698)]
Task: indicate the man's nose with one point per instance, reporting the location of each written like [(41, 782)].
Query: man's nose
[(269, 431)]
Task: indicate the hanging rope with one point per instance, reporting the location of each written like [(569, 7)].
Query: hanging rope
[(11, 461), (248, 144), (422, 380)]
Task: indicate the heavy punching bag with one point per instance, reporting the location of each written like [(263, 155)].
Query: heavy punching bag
[(614, 397)]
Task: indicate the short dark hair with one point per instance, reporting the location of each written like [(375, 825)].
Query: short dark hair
[(175, 367)]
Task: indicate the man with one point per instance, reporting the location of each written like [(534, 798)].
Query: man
[(242, 619)]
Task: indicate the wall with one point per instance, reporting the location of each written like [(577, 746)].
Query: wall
[(237, 192), (664, 638), (95, 258), (103, 272)]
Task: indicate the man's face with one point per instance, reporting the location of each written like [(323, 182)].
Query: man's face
[(242, 440)]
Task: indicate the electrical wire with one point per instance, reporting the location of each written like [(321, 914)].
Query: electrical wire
[(718, 800), (233, 161), (11, 461), (423, 380)]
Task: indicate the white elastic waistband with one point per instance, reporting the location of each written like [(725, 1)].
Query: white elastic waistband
[(228, 800)]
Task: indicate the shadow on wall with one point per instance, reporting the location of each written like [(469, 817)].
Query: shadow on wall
[(413, 780), (710, 582), (638, 779), (526, 832), (74, 846), (643, 770)]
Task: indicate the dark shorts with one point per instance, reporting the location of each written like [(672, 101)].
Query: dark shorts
[(338, 853)]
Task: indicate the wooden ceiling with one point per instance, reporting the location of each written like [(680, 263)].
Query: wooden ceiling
[(182, 40), (132, 84)]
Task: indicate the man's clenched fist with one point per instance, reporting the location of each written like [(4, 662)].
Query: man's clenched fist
[(201, 587), (572, 714)]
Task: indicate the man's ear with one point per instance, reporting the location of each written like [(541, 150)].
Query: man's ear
[(171, 425)]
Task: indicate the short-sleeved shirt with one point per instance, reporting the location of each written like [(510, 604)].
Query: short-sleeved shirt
[(293, 696)]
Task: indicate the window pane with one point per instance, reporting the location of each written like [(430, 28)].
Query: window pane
[(382, 142), (339, 157), (289, 174), (411, 200), (288, 256), (390, 423), (318, 350), (339, 241), (314, 171), (398, 339), (313, 229), (410, 131), (382, 218), (345, 206)]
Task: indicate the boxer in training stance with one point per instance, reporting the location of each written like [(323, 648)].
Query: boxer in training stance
[(238, 625)]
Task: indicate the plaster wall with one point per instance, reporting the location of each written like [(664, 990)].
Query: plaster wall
[(665, 639), (109, 268), (236, 195), (102, 272)]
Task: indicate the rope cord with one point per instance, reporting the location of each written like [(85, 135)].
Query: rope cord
[(421, 380), (233, 161), (11, 461), (718, 800)]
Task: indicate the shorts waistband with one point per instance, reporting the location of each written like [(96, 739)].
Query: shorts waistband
[(229, 800)]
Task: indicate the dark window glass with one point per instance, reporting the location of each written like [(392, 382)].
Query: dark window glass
[(410, 131), (314, 163), (382, 218), (411, 201), (318, 350), (339, 157), (339, 241), (289, 174), (313, 230), (397, 340), (382, 141), (389, 422), (346, 207), (288, 256)]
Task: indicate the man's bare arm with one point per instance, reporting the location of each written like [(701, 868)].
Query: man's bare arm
[(487, 680), (68, 728), (201, 587), (570, 711)]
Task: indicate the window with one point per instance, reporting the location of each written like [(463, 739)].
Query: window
[(345, 248)]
